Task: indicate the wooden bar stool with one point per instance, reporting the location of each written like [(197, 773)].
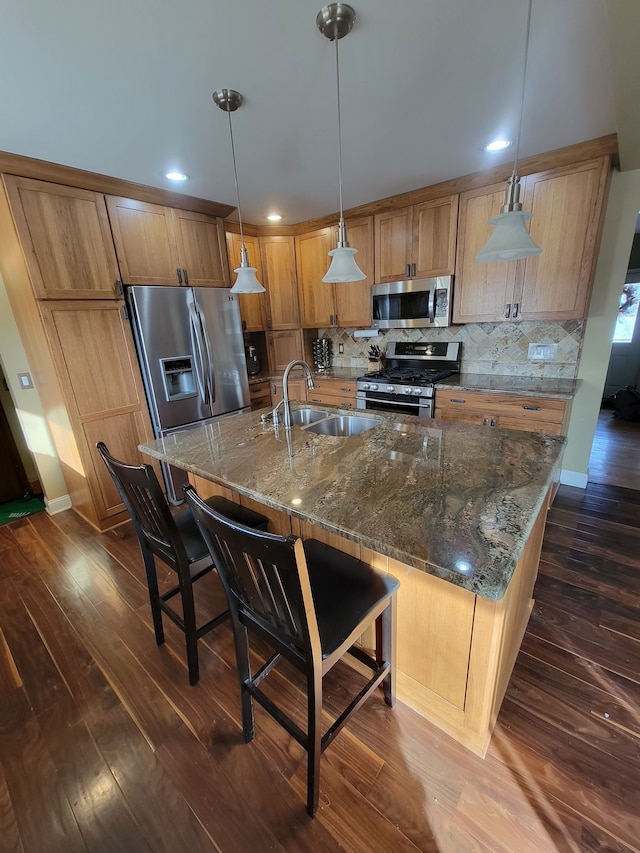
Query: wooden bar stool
[(310, 603), (177, 541)]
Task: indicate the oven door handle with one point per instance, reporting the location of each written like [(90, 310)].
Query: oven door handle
[(415, 405)]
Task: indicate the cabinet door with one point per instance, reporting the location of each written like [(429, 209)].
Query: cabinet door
[(284, 346), (483, 291), (435, 226), (297, 391), (353, 299), (202, 250), (96, 365), (317, 301), (66, 239), (252, 305), (393, 244), (279, 269), (566, 206), (145, 242)]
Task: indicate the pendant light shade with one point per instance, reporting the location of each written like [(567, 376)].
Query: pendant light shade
[(511, 241), (334, 22), (246, 282)]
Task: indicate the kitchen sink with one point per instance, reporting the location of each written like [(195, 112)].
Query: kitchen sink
[(305, 416), (343, 425)]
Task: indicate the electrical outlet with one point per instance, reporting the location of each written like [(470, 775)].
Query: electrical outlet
[(340, 348), (542, 352)]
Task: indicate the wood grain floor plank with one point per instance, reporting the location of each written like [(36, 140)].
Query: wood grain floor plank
[(104, 819), (42, 812), (9, 834)]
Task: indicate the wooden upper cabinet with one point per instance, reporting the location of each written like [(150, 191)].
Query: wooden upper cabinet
[(279, 271), (347, 304), (353, 298), (417, 241), (394, 245), (145, 241), (157, 244), (252, 305), (482, 291), (317, 301), (566, 206), (66, 239), (201, 249), (435, 225)]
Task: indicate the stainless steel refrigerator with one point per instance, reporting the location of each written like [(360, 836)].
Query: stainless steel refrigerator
[(191, 353)]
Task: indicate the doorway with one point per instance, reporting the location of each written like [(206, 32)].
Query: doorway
[(14, 482), (615, 453)]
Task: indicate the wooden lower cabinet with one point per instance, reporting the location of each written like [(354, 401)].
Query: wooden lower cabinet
[(333, 392), (297, 390), (97, 369), (508, 411), (284, 346), (260, 394), (455, 650)]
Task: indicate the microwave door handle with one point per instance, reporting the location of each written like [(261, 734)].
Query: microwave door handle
[(432, 304)]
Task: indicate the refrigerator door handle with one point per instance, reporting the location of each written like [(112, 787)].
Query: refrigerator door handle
[(209, 365), (196, 343)]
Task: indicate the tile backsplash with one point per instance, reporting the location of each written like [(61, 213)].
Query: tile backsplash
[(497, 348)]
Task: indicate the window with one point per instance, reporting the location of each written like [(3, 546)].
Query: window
[(627, 314)]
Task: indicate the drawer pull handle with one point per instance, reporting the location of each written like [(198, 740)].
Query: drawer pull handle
[(452, 400), (531, 408), (345, 389), (493, 421)]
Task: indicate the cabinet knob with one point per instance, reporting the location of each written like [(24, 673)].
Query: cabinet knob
[(485, 422), (493, 421)]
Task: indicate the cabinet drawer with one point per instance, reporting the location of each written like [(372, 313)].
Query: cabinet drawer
[(335, 387), (535, 409), (344, 402)]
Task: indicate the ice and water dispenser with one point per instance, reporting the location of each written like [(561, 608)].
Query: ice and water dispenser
[(178, 377)]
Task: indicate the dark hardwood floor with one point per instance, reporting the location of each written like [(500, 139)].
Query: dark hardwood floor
[(615, 452), (105, 747)]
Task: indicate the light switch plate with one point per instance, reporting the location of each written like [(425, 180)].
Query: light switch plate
[(542, 352), (25, 381)]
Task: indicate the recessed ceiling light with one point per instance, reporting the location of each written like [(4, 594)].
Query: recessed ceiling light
[(497, 145), (274, 217), (177, 176)]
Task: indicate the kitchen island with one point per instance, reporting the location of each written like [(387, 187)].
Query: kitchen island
[(456, 512)]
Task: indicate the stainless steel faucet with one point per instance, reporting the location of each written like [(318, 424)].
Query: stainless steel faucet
[(285, 388)]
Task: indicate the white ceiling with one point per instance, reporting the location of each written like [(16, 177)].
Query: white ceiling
[(124, 88)]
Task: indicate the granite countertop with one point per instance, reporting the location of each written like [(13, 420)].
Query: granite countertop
[(523, 386), (453, 500)]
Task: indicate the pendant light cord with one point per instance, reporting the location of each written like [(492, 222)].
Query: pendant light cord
[(524, 80), (341, 237), (235, 176)]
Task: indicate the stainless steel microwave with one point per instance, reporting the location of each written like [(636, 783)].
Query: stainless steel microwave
[(417, 303)]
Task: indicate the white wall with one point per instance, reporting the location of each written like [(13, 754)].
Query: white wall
[(29, 410), (611, 269)]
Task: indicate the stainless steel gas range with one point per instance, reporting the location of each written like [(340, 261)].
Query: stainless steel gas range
[(406, 382)]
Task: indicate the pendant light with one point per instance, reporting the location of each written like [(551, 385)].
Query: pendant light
[(246, 282), (510, 240), (336, 21)]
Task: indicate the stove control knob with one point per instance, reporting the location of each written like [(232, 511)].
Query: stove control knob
[(374, 386), (390, 389), (407, 390), (365, 386), (417, 392)]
